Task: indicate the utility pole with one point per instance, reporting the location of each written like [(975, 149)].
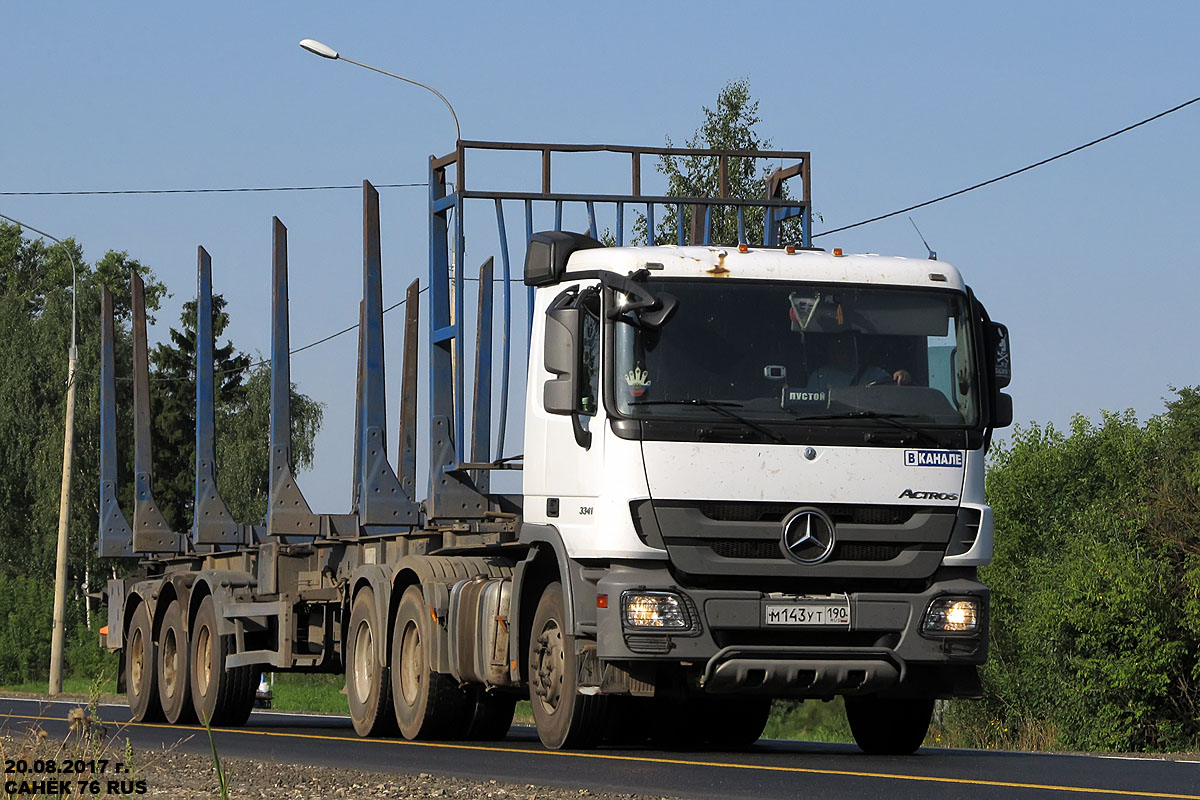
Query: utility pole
[(64, 524)]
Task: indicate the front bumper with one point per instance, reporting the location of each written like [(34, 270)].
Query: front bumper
[(729, 648)]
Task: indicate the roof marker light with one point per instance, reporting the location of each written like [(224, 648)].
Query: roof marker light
[(790, 249), (837, 251), (937, 276), (743, 248)]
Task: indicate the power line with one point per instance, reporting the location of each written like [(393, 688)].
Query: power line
[(207, 191), (1014, 172)]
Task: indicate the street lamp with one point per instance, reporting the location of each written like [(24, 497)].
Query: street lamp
[(325, 51), (64, 498)]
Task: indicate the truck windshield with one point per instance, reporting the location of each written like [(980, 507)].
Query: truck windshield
[(813, 353)]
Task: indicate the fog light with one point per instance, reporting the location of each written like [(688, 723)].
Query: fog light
[(654, 610), (952, 615)]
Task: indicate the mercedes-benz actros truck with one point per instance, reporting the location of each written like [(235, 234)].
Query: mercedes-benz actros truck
[(751, 469)]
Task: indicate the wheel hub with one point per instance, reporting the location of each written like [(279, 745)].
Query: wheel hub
[(549, 667), (364, 662)]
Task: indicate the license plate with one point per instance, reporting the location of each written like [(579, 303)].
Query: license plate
[(818, 612)]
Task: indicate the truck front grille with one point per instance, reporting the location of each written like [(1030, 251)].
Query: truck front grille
[(744, 511), (726, 538)]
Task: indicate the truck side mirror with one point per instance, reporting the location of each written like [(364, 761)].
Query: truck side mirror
[(1001, 368), (560, 394), (997, 348)]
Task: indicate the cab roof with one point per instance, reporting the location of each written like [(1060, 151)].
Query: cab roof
[(765, 263)]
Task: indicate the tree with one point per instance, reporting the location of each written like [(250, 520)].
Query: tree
[(730, 125), (35, 332), (242, 419)]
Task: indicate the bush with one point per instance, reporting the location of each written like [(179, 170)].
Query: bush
[(1095, 605), (26, 622), (26, 626)]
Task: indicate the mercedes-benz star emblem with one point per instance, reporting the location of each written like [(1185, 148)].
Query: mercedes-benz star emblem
[(808, 535)]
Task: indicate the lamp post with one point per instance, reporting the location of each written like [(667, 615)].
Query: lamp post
[(64, 498), (325, 51)]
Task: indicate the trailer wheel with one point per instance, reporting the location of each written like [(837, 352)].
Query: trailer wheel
[(141, 654), (429, 704), (221, 696), (564, 717), (888, 725), (367, 686), (490, 715), (173, 677)]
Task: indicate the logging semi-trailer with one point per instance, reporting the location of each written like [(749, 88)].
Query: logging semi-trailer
[(751, 469)]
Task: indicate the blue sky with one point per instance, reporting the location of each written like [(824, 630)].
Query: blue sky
[(1091, 261)]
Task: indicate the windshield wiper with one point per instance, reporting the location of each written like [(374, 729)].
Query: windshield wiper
[(721, 407), (895, 420)]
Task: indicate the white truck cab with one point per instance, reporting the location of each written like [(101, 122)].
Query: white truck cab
[(766, 469)]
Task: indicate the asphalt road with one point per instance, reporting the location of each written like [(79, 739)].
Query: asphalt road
[(770, 769)]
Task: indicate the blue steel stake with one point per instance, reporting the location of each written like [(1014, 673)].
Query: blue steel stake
[(115, 536), (287, 511), (211, 521), (381, 500)]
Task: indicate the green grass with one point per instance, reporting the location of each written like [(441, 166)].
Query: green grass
[(319, 694), (810, 720)]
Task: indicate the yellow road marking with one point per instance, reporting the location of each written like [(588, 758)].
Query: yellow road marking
[(652, 760)]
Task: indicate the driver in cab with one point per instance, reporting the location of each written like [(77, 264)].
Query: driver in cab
[(843, 368)]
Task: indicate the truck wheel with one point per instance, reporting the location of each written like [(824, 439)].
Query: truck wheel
[(490, 715), (564, 717), (172, 675), (367, 686), (220, 696), (888, 725), (141, 654), (429, 704)]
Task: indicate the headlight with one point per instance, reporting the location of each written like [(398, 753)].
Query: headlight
[(654, 610), (952, 615)]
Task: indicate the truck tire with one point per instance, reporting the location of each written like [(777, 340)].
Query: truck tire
[(221, 697), (489, 715), (429, 704), (368, 688), (564, 717), (141, 680), (888, 725), (174, 678)]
